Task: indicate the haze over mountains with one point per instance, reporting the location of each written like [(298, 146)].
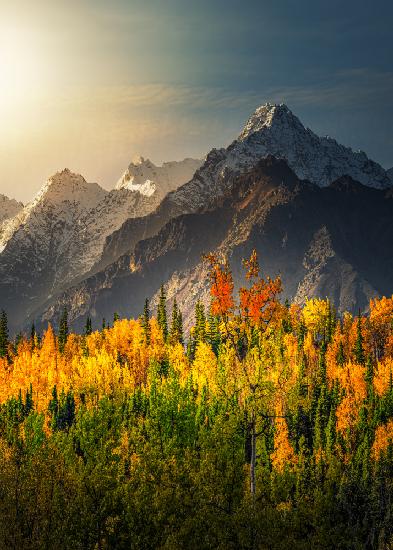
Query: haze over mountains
[(317, 212)]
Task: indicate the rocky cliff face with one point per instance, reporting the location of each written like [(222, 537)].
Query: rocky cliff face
[(333, 241), (8, 209)]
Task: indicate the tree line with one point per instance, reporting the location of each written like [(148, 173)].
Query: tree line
[(268, 425)]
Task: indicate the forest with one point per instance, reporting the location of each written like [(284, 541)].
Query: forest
[(268, 425)]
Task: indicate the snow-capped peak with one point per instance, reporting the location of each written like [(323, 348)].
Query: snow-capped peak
[(68, 186), (267, 116), (275, 130), (144, 177)]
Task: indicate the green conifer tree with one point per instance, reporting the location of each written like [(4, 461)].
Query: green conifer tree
[(213, 334), (145, 321), (176, 332), (32, 336), (358, 349), (63, 330), (161, 313), (340, 355), (330, 433), (88, 326), (3, 334)]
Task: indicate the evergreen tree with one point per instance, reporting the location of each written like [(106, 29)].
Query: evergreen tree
[(145, 321), (213, 333), (161, 313), (200, 323), (358, 349), (176, 333), (340, 355), (116, 317), (3, 334), (199, 331), (330, 433), (88, 326), (32, 336), (63, 330), (369, 376)]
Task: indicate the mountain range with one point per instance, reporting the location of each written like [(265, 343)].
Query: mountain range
[(318, 213)]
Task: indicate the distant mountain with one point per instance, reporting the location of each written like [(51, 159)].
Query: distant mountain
[(331, 241), (56, 239), (147, 178), (8, 208), (390, 174)]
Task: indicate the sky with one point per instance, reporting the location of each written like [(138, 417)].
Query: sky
[(91, 84)]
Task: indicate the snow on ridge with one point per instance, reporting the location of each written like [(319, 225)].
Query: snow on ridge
[(274, 129), (143, 176)]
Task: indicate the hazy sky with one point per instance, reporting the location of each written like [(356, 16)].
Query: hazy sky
[(89, 84)]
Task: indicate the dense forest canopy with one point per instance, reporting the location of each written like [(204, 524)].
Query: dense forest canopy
[(270, 425)]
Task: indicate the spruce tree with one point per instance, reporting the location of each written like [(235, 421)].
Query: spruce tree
[(3, 334), (199, 331), (161, 313), (32, 336), (88, 326), (213, 334), (200, 323), (340, 355), (176, 333), (63, 330), (145, 321), (358, 349), (330, 432)]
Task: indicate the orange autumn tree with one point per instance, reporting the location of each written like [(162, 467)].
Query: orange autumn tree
[(258, 302), (244, 325)]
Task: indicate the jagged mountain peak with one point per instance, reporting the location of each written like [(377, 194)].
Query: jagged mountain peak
[(274, 129), (144, 177), (267, 116), (67, 186)]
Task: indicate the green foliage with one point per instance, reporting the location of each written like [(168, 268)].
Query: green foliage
[(63, 330), (145, 321), (3, 334), (176, 332), (161, 313), (88, 326)]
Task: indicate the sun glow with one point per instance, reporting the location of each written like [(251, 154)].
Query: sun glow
[(22, 68)]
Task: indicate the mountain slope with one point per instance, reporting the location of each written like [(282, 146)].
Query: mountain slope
[(56, 239), (333, 241), (271, 130), (8, 208)]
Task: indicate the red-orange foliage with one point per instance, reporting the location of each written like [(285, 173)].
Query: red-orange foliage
[(258, 303), (221, 286)]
